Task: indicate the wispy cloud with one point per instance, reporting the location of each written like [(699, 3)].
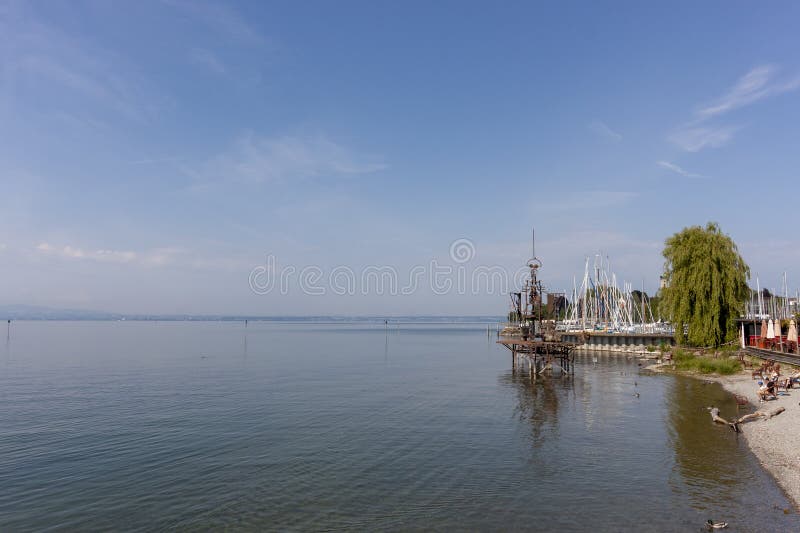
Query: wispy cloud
[(106, 89), (154, 160), (154, 257), (255, 159), (165, 257), (750, 88), (162, 256), (39, 55), (208, 60), (220, 18), (678, 170), (758, 84), (70, 252), (602, 130), (695, 139)]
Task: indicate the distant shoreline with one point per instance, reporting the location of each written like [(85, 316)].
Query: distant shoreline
[(421, 319)]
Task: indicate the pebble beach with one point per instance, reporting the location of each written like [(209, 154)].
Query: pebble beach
[(773, 441)]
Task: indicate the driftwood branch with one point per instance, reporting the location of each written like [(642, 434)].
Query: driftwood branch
[(716, 418), (719, 420), (766, 415)]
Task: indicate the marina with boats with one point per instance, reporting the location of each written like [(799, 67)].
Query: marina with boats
[(603, 315), (598, 316)]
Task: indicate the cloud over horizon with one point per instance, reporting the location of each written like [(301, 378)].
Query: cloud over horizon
[(678, 170), (757, 84), (602, 130), (256, 159)]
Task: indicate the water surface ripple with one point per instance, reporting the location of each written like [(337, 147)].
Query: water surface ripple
[(145, 426)]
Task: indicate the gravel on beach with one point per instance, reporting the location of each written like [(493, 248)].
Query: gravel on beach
[(776, 442)]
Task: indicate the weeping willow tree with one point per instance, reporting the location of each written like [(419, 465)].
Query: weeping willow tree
[(706, 285)]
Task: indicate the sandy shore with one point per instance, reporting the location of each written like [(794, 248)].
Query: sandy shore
[(773, 441)]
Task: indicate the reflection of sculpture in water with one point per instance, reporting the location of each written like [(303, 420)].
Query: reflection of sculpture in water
[(537, 402)]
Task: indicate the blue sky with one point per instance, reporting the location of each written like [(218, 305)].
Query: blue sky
[(152, 154)]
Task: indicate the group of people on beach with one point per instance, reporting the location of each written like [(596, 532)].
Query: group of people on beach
[(770, 380)]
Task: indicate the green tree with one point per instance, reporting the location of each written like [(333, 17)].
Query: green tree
[(655, 305), (706, 285)]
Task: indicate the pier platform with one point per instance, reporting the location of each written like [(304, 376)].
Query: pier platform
[(539, 355)]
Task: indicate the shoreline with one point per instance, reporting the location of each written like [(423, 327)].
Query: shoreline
[(774, 442)]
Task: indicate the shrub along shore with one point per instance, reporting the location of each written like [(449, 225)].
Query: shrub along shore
[(723, 363)]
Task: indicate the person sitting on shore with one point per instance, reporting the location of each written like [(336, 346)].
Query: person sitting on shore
[(762, 392), (766, 390), (783, 383)]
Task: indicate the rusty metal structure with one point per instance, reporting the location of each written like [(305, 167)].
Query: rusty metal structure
[(533, 340), (528, 303)]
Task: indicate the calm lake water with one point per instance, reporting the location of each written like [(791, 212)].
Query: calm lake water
[(148, 426)]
